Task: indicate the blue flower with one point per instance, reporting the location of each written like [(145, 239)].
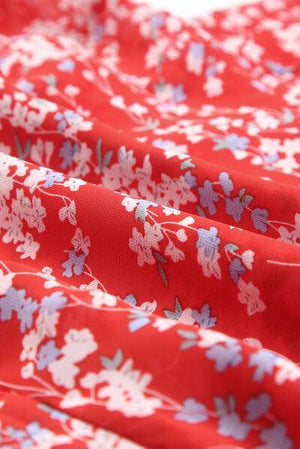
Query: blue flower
[(208, 240), (204, 318), (67, 65), (156, 21), (231, 425), (197, 50), (163, 143), (264, 361), (208, 197), (259, 219), (12, 301), (98, 32), (232, 142), (25, 314), (235, 208), (53, 302), (26, 86), (56, 414), (138, 320), (258, 406), (225, 355), (51, 177), (276, 437), (63, 119), (74, 264), (236, 269), (34, 429), (131, 299), (47, 354), (16, 433), (178, 93), (66, 152), (27, 443), (279, 69), (190, 179), (226, 183), (192, 412)]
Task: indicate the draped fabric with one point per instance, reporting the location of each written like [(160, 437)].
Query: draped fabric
[(150, 226)]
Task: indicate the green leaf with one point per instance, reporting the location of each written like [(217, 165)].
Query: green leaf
[(187, 344), (162, 274), (220, 406), (242, 192), (159, 257), (152, 123), (288, 116), (187, 163), (247, 200), (231, 402), (22, 154), (107, 158), (140, 213), (51, 80), (112, 364), (200, 211), (98, 152), (231, 247), (174, 315), (189, 335)]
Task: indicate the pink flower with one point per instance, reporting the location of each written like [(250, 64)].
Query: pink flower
[(143, 245), (249, 294)]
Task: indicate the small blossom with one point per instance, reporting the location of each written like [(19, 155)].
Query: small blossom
[(74, 264), (47, 354), (208, 240)]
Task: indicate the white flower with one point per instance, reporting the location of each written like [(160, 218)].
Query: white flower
[(68, 212), (102, 299), (73, 398), (210, 338), (81, 428), (163, 324), (292, 96), (30, 344), (71, 90), (213, 87), (130, 203), (63, 372), (90, 380), (5, 282), (46, 324), (125, 391), (287, 371), (79, 344), (27, 371), (137, 109), (81, 243), (265, 121), (35, 176), (74, 183), (28, 248), (118, 102), (253, 51)]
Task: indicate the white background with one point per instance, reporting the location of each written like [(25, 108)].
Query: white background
[(188, 8)]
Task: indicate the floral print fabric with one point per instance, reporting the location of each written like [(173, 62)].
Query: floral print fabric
[(150, 226)]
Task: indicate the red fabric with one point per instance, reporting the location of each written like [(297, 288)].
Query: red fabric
[(150, 226)]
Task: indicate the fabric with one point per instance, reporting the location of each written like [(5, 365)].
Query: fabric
[(150, 226)]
